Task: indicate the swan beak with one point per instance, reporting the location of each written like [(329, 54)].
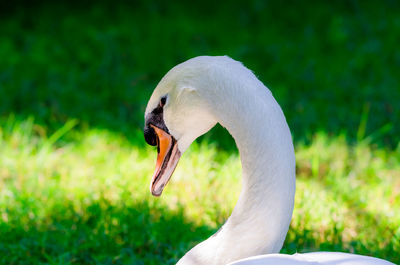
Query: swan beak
[(167, 159)]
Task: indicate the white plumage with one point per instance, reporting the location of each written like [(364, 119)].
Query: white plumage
[(206, 90)]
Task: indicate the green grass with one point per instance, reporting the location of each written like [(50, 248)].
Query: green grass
[(327, 64), (75, 77), (86, 200)]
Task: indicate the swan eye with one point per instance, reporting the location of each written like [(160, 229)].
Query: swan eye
[(163, 101)]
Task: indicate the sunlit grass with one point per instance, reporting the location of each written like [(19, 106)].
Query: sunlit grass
[(82, 197)]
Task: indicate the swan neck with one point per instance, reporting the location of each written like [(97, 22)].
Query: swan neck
[(261, 217)]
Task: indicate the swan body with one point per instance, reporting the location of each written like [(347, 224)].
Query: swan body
[(190, 99), (312, 258)]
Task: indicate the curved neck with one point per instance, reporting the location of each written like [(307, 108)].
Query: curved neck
[(261, 217)]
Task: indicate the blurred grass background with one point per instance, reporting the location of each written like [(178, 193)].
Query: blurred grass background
[(75, 78)]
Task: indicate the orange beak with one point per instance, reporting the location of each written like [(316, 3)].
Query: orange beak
[(167, 159)]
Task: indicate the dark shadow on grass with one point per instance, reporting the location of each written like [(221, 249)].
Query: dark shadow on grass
[(101, 233), (108, 233)]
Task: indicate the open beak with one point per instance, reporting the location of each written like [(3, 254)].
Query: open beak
[(167, 159)]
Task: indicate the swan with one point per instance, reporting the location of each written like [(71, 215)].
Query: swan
[(188, 101)]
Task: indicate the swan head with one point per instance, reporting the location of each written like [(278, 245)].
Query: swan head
[(175, 116)]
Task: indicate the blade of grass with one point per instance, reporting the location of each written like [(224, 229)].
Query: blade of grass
[(61, 132), (363, 122)]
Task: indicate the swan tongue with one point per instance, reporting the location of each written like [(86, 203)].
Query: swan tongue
[(167, 159)]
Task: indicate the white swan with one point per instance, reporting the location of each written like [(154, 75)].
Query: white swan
[(189, 100)]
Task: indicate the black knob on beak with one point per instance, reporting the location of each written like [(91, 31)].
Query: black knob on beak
[(150, 135)]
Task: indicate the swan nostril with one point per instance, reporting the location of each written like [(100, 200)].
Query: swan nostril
[(150, 135)]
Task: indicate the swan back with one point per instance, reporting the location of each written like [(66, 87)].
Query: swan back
[(312, 258)]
